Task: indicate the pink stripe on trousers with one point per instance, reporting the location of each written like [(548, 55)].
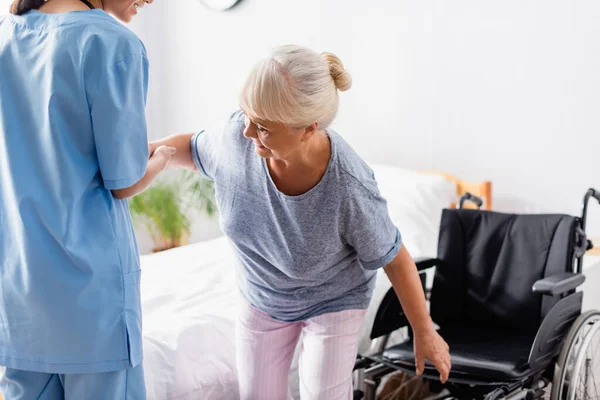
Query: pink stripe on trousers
[(265, 349)]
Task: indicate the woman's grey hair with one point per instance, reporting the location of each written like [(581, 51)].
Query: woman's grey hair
[(295, 86)]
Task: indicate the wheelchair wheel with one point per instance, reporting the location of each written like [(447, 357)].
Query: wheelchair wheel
[(577, 371)]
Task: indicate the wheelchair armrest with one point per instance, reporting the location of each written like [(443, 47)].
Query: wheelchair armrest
[(558, 284), (424, 263)]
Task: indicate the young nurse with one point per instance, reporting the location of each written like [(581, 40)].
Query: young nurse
[(73, 148)]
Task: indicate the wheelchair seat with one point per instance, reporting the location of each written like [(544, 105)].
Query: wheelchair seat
[(480, 354)]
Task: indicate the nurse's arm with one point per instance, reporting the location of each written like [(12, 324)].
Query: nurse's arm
[(158, 161), (183, 157)]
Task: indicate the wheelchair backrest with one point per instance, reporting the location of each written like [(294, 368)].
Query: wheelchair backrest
[(491, 260)]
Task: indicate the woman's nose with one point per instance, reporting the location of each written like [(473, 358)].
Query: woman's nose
[(250, 131)]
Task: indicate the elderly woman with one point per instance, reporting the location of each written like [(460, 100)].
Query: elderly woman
[(309, 226)]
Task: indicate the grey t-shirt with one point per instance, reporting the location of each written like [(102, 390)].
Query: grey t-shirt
[(299, 256)]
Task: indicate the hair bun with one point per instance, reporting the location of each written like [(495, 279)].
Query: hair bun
[(341, 77)]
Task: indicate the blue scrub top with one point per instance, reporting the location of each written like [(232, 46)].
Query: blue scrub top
[(73, 91)]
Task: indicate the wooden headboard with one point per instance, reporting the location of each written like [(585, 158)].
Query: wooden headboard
[(479, 189)]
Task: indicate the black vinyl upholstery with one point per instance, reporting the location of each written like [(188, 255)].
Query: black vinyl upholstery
[(482, 296), (475, 353)]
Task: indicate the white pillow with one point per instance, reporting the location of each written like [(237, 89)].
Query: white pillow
[(415, 204)]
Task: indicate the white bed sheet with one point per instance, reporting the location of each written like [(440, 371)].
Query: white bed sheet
[(188, 303), (189, 296)]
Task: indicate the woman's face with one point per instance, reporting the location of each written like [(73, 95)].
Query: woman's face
[(124, 10), (273, 139)]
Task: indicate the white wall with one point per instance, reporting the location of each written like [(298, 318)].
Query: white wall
[(4, 5), (520, 80), (507, 91)]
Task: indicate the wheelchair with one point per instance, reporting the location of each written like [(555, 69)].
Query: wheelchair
[(504, 297)]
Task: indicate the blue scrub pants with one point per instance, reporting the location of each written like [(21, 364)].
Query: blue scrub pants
[(120, 385)]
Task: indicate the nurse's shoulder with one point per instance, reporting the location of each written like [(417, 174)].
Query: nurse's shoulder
[(106, 39), (108, 53)]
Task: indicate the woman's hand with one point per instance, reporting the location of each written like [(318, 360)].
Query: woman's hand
[(429, 345)]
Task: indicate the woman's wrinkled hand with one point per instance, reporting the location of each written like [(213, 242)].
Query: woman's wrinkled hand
[(429, 345)]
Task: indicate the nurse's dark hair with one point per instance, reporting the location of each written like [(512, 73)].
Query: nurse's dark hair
[(20, 7)]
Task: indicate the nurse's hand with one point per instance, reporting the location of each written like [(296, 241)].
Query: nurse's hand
[(151, 147), (164, 154), (181, 142), (159, 160)]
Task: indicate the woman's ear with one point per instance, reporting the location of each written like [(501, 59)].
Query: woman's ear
[(309, 131)]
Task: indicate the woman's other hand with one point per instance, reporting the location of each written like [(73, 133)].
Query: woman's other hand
[(429, 345)]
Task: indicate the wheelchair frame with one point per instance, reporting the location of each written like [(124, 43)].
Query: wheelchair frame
[(369, 370)]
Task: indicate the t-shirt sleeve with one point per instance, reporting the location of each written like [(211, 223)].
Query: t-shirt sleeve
[(207, 145), (368, 227), (119, 123), (204, 154)]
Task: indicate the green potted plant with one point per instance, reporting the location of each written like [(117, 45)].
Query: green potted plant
[(166, 208)]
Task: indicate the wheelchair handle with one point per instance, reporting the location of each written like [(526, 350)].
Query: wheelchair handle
[(595, 194), (591, 193), (472, 198), (587, 245)]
